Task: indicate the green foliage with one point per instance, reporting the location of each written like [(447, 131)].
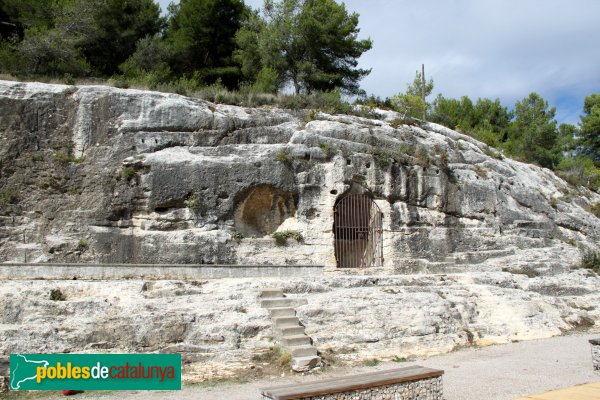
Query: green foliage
[(57, 295), (421, 157), (82, 245), (282, 237), (595, 209), (149, 63), (311, 44), (118, 26), (572, 241), (237, 236), (591, 261), (579, 171), (274, 356), (381, 157), (60, 157), (404, 148), (371, 362), (409, 105), (50, 182), (486, 120), (490, 152), (194, 203), (533, 136), (412, 103), (52, 39), (128, 173), (590, 128), (8, 195), (283, 156), (480, 171), (201, 34), (267, 81), (327, 149)]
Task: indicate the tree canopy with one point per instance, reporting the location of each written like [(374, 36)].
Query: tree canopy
[(201, 34), (118, 26), (590, 128), (311, 44)]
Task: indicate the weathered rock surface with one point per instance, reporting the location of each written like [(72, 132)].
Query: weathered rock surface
[(111, 175), (477, 248), (219, 326)]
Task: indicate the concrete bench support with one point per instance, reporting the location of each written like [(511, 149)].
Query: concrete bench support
[(595, 353), (410, 383)]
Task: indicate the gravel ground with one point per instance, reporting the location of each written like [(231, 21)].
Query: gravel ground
[(502, 372)]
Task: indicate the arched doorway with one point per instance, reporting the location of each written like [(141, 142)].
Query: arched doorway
[(358, 236)]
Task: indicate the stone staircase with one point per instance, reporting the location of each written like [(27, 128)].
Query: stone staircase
[(287, 328)]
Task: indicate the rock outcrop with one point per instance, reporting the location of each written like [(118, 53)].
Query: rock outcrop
[(476, 248), (109, 175)]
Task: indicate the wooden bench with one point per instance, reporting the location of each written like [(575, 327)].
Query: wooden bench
[(411, 383)]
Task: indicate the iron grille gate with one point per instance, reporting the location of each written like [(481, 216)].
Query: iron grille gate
[(358, 235)]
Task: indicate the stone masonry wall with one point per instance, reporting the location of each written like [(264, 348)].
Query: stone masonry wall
[(423, 389)]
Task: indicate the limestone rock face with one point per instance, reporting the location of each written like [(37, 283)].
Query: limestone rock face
[(477, 248), (109, 175), (220, 328)]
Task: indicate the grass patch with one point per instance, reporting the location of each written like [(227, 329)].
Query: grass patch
[(127, 173), (82, 245), (371, 362), (590, 261), (274, 356), (282, 237), (8, 195), (237, 236), (571, 242), (490, 152), (329, 358), (595, 209), (283, 156), (422, 157), (327, 149), (193, 202), (381, 157), (480, 171), (57, 295)]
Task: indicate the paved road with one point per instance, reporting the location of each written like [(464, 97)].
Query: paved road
[(502, 372)]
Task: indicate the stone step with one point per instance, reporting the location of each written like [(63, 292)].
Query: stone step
[(302, 351), (282, 312), (303, 364), (269, 293), (282, 302), (296, 340), (282, 322), (290, 331)]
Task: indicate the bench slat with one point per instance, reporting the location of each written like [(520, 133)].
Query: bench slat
[(350, 383)]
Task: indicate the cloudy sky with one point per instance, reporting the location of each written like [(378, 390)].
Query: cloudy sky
[(483, 48)]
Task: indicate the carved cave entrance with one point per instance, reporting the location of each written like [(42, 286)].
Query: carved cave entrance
[(358, 235)]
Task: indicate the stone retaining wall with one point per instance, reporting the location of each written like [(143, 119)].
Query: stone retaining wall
[(422, 389), (152, 271), (595, 353)]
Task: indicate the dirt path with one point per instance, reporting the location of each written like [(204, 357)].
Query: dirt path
[(502, 372)]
